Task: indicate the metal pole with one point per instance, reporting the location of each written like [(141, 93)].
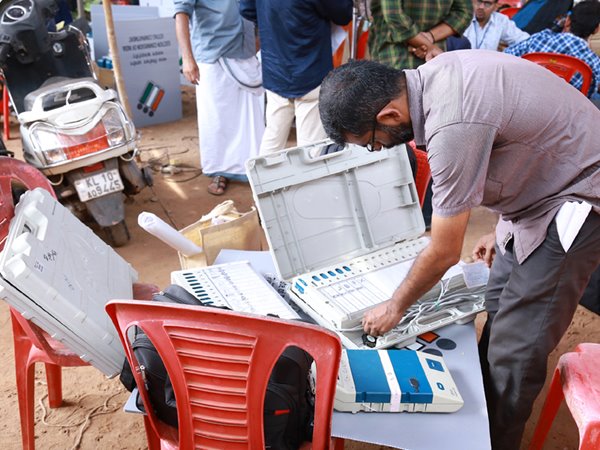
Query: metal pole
[(354, 37), (80, 9)]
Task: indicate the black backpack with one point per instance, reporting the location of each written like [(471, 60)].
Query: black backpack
[(288, 408)]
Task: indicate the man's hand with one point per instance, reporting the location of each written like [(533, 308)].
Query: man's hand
[(382, 318), (419, 52), (443, 251), (423, 46), (432, 52), (484, 249), (190, 70), (189, 67)]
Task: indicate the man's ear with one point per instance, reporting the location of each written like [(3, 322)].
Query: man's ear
[(390, 115), (567, 25)]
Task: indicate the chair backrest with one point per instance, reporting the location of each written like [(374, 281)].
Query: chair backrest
[(564, 66), (13, 171), (219, 363), (423, 175), (509, 12), (509, 3)]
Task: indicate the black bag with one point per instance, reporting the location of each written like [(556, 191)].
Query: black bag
[(288, 407), (157, 381)]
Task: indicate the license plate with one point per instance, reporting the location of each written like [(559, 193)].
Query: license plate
[(98, 185)]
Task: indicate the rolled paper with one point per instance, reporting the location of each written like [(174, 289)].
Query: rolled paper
[(166, 233)]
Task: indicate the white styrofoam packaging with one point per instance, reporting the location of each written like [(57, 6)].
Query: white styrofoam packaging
[(350, 221), (57, 273)]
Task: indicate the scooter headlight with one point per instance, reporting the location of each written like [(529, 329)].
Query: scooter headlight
[(61, 144)]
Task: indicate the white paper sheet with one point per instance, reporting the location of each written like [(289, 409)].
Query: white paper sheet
[(569, 220)]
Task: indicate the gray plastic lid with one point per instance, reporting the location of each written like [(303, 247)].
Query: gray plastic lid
[(319, 211)]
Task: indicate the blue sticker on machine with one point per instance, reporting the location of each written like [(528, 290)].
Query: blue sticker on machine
[(369, 378), (412, 378), (435, 365)]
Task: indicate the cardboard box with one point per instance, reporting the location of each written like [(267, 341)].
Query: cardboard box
[(106, 77)]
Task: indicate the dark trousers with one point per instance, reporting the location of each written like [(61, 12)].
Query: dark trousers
[(529, 307)]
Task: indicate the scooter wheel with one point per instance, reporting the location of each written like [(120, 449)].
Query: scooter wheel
[(118, 235)]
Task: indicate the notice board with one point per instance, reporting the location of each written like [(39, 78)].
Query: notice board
[(149, 58)]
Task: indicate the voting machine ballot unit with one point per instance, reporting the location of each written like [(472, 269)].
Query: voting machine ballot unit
[(236, 286), (395, 381), (58, 274), (344, 229)]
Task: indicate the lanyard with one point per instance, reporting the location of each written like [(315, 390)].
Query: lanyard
[(485, 30)]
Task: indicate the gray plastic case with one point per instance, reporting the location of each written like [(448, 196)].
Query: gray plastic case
[(320, 211), (57, 273), (341, 214)]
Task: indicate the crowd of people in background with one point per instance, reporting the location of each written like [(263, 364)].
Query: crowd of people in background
[(237, 121)]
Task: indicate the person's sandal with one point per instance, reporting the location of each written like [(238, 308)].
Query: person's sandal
[(218, 185)]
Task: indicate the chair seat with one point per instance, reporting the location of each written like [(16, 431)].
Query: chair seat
[(580, 375), (577, 380)]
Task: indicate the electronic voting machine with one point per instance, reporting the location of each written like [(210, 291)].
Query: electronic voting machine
[(344, 229), (395, 381), (58, 274), (236, 286)]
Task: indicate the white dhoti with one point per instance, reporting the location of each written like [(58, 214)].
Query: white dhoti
[(230, 120)]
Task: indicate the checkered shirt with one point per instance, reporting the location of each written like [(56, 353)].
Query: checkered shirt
[(395, 21)]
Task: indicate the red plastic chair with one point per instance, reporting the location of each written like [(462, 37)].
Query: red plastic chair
[(423, 176), (219, 363), (577, 380), (510, 3), (509, 12), (564, 66), (31, 344)]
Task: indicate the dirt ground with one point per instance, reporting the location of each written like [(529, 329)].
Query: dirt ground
[(91, 416)]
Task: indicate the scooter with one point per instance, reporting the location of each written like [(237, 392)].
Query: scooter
[(73, 130)]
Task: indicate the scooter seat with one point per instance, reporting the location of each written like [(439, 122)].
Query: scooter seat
[(81, 89)]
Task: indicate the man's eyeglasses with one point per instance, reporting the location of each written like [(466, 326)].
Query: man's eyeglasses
[(371, 144), (486, 4)]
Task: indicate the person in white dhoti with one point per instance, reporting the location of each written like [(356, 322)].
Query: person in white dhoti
[(219, 57)]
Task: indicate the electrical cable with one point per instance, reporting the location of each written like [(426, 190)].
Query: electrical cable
[(423, 308)]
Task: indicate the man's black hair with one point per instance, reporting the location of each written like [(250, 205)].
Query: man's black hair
[(352, 95), (585, 18)]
